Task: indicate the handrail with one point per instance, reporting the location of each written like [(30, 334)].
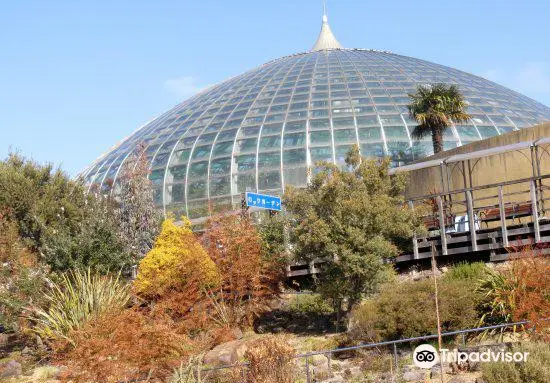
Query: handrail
[(475, 188), (414, 339), (385, 343)]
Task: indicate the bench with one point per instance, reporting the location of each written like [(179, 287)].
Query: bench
[(516, 210)]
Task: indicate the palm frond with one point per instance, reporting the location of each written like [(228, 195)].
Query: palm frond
[(435, 107)]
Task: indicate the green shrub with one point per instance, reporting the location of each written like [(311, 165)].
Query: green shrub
[(309, 304), (466, 271), (407, 309), (534, 370), (75, 299), (500, 373), (496, 306)]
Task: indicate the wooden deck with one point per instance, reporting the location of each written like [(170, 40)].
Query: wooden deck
[(517, 219)]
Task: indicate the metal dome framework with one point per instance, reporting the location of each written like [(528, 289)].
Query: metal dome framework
[(267, 128)]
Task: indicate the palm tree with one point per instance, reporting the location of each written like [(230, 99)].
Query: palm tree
[(435, 107)]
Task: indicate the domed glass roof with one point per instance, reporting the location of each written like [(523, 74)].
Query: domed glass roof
[(268, 127)]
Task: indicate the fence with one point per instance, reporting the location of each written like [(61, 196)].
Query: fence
[(309, 374), (485, 221)]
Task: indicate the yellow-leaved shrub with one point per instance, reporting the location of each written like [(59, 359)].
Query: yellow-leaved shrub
[(176, 260)]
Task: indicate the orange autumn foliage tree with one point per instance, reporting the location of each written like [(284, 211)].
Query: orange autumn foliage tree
[(529, 273), (22, 276), (248, 280), (129, 345)]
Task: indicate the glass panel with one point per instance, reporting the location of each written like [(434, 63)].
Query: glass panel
[(269, 160), (245, 182), (295, 139), (320, 137), (198, 169), (295, 125), (251, 131), (344, 135), (247, 145), (370, 134), (272, 129), (269, 180), (246, 162), (294, 157), (467, 133), (270, 142), (220, 186), (319, 124), (196, 189), (395, 133), (157, 196), (342, 122), (391, 120), (223, 148), (321, 154), (372, 150), (227, 135), (157, 176), (296, 176), (220, 166), (201, 151), (176, 192), (181, 156), (367, 121), (487, 131)]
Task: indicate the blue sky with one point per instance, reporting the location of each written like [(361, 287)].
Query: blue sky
[(78, 76)]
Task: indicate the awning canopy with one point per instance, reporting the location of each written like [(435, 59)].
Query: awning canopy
[(472, 155)]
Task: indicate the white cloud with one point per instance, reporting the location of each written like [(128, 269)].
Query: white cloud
[(185, 86)]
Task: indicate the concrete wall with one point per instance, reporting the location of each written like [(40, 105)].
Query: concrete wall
[(497, 168)]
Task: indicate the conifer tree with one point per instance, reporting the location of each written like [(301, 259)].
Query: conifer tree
[(138, 218)]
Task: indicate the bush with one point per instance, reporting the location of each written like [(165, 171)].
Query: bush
[(56, 217), (464, 271), (38, 196), (309, 304), (534, 370), (124, 346), (271, 360), (407, 310), (248, 280), (22, 277), (78, 297), (521, 291), (176, 261), (356, 219), (94, 243)]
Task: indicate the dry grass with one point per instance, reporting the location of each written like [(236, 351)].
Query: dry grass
[(271, 360), (124, 346)]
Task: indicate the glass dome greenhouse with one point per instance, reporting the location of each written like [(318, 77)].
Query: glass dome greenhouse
[(268, 127)]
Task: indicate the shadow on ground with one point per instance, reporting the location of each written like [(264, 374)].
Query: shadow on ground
[(279, 321)]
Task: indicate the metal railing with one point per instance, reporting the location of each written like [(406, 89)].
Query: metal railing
[(493, 215), (478, 206), (391, 343)]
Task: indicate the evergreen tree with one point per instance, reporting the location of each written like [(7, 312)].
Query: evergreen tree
[(137, 217), (354, 219)]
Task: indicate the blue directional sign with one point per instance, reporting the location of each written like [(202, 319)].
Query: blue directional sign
[(263, 201)]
